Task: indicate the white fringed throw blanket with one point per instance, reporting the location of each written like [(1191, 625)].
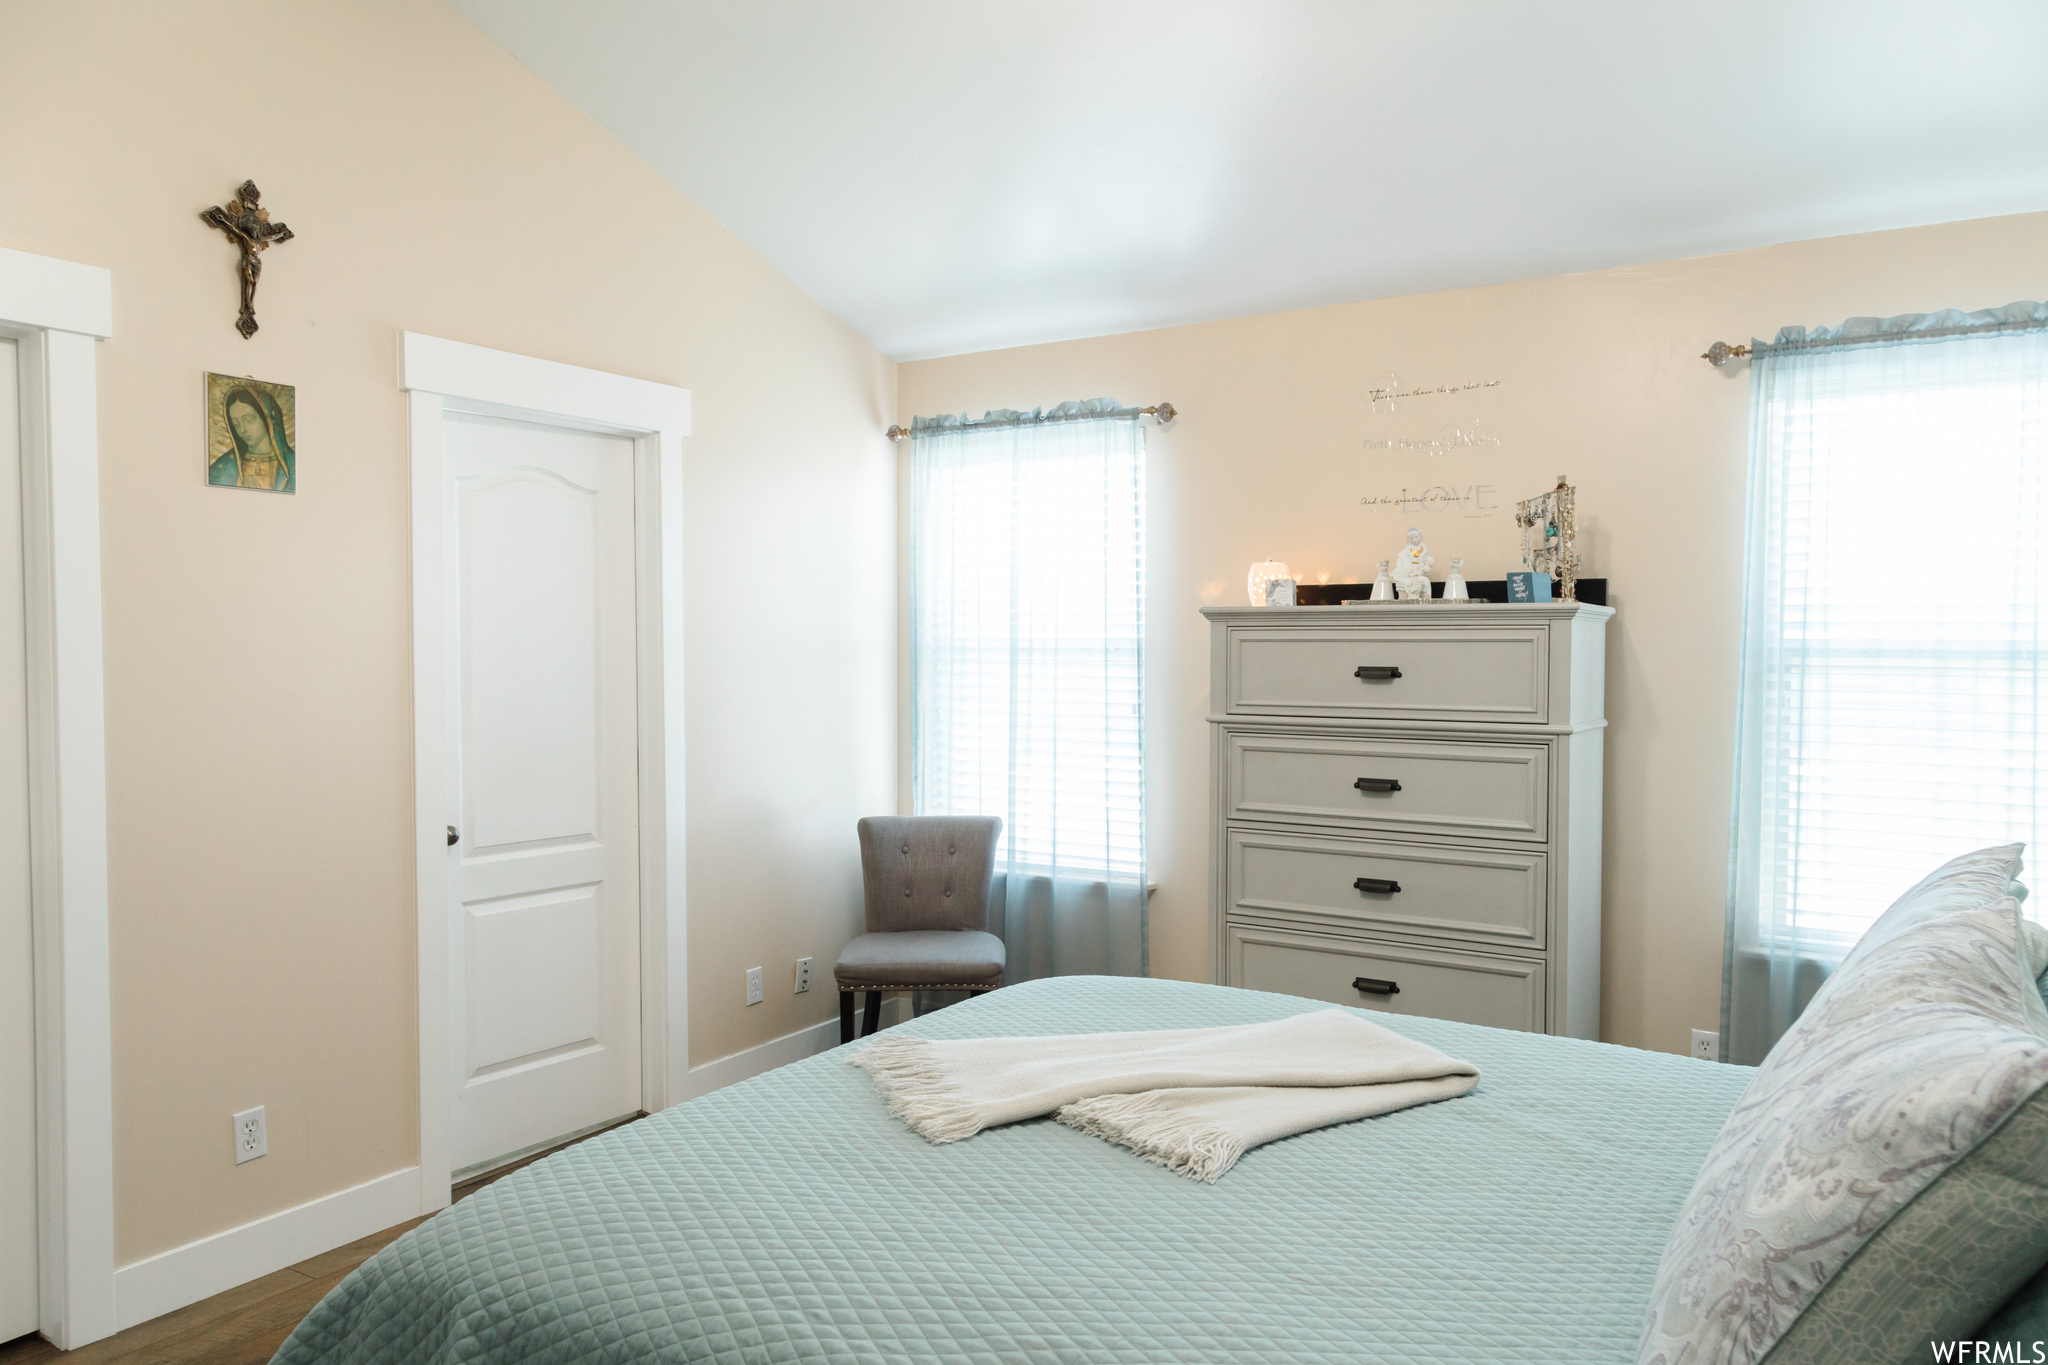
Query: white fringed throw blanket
[(1192, 1100)]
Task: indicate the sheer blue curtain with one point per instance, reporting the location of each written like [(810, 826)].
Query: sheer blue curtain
[(1891, 709), (1028, 629)]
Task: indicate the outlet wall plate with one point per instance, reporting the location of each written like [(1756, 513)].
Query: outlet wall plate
[(753, 985), (1706, 1045), (803, 975), (252, 1138)]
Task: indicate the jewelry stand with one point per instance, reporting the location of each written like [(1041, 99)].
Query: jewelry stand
[(1557, 554)]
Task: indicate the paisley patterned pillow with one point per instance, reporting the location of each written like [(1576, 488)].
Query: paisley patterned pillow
[(1928, 1039)]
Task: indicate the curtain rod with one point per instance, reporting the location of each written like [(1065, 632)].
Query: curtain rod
[(1163, 411), (1720, 353)]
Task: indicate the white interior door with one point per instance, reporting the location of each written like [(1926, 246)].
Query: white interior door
[(543, 879), (17, 970)]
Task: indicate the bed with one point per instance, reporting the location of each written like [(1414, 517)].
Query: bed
[(791, 1218)]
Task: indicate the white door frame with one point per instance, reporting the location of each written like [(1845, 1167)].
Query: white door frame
[(57, 311), (449, 376)]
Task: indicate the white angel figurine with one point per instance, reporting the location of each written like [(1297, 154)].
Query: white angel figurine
[(1411, 568)]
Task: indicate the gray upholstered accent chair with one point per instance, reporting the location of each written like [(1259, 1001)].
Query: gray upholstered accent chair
[(926, 879)]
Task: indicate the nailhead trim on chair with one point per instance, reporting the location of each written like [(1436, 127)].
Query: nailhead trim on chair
[(928, 986)]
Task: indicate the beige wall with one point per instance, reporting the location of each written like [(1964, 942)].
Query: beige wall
[(1599, 379), (258, 661)]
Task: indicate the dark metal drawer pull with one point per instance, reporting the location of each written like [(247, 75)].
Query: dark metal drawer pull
[(1372, 673), (1378, 884), (1372, 987), (1377, 784)]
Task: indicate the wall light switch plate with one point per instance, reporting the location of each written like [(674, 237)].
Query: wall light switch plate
[(1706, 1046), (753, 985), (803, 975), (251, 1138)]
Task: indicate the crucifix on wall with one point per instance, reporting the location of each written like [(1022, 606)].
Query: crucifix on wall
[(248, 225)]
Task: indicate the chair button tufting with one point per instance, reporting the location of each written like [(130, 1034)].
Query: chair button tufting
[(950, 850), (906, 848), (949, 893), (906, 892)]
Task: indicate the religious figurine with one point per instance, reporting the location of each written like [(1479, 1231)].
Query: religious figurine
[(247, 224), (1454, 586), (1383, 586), (1411, 568)]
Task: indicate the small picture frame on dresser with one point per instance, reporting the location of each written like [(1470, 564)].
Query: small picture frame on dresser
[(1528, 587), (1280, 592)]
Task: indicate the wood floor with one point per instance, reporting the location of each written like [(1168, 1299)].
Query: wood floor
[(246, 1325)]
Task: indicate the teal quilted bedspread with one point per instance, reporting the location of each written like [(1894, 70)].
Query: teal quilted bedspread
[(790, 1218)]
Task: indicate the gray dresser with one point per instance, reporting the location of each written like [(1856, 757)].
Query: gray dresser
[(1406, 807)]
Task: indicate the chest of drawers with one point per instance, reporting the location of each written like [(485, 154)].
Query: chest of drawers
[(1406, 807)]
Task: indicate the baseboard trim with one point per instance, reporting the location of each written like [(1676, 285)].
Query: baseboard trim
[(212, 1265), (749, 1062)]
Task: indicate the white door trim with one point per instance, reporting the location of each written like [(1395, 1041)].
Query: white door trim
[(449, 376), (57, 310)]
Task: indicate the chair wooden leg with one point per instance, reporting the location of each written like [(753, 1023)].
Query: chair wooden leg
[(872, 1019), (846, 1016)]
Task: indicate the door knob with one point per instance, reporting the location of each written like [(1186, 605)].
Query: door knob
[(454, 836)]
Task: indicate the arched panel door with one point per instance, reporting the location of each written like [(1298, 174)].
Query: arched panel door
[(543, 861)]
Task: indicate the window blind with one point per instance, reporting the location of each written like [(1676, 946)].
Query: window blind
[(1028, 588), (1891, 709)]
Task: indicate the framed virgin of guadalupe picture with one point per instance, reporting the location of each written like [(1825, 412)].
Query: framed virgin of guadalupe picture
[(251, 434)]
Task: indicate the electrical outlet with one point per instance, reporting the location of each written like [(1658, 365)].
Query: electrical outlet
[(1706, 1046), (803, 975), (753, 985), (251, 1139)]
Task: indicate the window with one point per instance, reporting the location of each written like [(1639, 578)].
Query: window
[(1892, 712), (1028, 626)]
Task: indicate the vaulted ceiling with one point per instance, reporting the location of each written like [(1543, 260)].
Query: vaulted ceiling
[(955, 175)]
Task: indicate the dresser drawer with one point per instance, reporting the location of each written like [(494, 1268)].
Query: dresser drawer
[(1496, 899), (1468, 673), (1501, 992), (1495, 791)]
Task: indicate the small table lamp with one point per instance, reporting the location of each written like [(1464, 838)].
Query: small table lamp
[(1264, 572)]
